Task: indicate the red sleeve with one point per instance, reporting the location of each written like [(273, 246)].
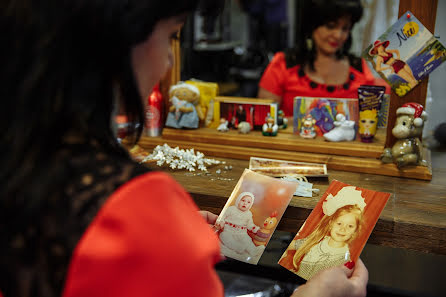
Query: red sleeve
[(272, 79), (147, 240), (377, 81)]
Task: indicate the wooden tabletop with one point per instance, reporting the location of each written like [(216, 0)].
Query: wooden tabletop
[(414, 217)]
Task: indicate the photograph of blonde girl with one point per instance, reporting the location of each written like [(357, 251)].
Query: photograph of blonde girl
[(335, 231)]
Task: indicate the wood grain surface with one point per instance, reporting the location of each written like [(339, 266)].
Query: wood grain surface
[(414, 217)]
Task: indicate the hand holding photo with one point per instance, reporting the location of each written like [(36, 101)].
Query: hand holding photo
[(336, 230), (251, 215)]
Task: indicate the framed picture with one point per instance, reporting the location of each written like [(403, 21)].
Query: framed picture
[(251, 214), (237, 109), (323, 111), (405, 54), (336, 230), (282, 168)]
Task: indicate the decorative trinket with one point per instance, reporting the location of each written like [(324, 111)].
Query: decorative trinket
[(244, 127), (270, 127), (344, 130), (307, 130), (407, 150), (282, 121), (223, 127), (185, 111)]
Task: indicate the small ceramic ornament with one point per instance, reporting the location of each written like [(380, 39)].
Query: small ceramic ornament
[(244, 127), (270, 127), (344, 130), (282, 121), (407, 150), (307, 130), (223, 127)]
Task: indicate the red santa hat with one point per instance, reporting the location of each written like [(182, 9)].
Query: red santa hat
[(414, 109)]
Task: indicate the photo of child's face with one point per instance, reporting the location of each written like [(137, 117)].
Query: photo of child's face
[(343, 228), (245, 203)]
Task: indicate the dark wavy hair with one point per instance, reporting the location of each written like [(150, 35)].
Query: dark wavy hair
[(62, 63), (316, 13)]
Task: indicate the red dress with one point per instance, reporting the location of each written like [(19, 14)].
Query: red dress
[(147, 240), (291, 82)]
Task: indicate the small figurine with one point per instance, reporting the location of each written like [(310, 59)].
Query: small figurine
[(307, 130), (244, 127), (264, 233), (270, 127), (184, 111), (407, 149), (223, 127), (282, 121), (240, 114), (344, 130)]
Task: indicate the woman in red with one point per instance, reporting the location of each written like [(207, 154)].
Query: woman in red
[(319, 65), (77, 216)]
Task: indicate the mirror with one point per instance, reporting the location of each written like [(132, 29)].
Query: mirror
[(234, 47)]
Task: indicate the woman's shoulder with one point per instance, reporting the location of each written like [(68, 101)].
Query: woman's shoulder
[(278, 60), (144, 230)]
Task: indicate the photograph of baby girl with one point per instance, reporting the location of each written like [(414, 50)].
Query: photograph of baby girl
[(251, 215), (336, 230)]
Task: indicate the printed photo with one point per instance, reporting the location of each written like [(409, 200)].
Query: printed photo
[(251, 214), (405, 54), (336, 230)]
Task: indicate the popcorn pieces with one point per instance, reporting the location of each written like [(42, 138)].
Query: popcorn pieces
[(178, 158)]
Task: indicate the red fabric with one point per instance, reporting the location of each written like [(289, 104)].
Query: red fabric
[(147, 240), (286, 83)]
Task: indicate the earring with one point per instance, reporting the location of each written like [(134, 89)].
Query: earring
[(309, 42)]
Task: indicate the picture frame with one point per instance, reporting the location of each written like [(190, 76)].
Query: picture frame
[(336, 230), (323, 110), (237, 109)]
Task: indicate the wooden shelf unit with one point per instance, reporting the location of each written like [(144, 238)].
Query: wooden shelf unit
[(352, 156)]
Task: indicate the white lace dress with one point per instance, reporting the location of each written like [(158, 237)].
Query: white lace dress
[(321, 256)]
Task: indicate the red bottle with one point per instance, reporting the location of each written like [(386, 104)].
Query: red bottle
[(154, 111)]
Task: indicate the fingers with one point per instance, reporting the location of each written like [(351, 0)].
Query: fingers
[(360, 274), (209, 217), (348, 271)]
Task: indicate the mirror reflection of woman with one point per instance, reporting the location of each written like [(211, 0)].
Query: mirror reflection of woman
[(391, 58), (319, 65)]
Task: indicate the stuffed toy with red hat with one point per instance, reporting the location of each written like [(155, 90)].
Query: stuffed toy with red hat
[(409, 123)]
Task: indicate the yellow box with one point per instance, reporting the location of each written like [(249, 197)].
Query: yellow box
[(208, 91)]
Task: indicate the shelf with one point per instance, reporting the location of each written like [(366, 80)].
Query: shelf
[(285, 140), (352, 156)]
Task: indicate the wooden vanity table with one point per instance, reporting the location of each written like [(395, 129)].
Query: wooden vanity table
[(414, 217)]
